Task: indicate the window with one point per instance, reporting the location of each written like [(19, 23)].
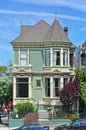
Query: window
[(83, 59), (21, 87), (83, 122), (47, 57), (38, 83), (76, 124), (65, 57), (47, 87), (71, 60), (23, 57), (56, 86), (65, 80), (56, 57)]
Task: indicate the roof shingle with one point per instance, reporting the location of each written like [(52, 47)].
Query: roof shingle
[(42, 32)]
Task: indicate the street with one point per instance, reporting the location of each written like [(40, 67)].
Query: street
[(7, 128)]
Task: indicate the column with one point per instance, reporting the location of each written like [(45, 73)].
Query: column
[(61, 83), (19, 57), (51, 87), (68, 58), (61, 57), (14, 89), (30, 88), (51, 57), (27, 57)]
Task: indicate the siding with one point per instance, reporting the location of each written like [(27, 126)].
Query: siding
[(36, 60), (16, 57)]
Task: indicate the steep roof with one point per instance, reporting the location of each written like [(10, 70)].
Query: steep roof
[(42, 32), (84, 44), (56, 33), (34, 33)]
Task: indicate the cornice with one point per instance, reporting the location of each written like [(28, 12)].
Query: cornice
[(40, 44), (46, 73)]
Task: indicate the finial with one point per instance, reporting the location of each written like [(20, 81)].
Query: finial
[(55, 15)]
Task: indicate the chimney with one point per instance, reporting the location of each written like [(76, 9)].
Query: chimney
[(66, 30)]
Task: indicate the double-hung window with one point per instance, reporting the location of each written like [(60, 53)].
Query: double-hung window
[(83, 59), (23, 57), (47, 87), (65, 80), (56, 86), (56, 57), (22, 87), (47, 57)]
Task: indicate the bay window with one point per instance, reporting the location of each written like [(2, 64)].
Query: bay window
[(56, 57), (47, 57), (65, 57)]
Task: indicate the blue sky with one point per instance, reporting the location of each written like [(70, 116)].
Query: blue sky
[(13, 13)]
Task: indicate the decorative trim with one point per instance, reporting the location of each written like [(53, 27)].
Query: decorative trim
[(41, 44)]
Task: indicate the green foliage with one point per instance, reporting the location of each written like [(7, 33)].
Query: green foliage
[(5, 85), (24, 108), (5, 90), (3, 70), (80, 74), (83, 90), (82, 78)]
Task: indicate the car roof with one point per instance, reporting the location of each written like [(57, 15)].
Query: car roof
[(80, 119)]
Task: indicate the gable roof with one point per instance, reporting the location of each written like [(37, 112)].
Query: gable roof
[(43, 32)]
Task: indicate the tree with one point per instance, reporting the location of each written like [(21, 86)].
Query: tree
[(5, 90), (80, 74), (3, 71), (82, 79), (5, 84), (70, 92), (83, 91)]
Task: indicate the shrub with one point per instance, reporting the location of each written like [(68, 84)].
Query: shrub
[(24, 108), (73, 116), (31, 118)]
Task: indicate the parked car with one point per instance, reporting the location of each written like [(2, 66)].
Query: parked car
[(79, 124), (32, 127)]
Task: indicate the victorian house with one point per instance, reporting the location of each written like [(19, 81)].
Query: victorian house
[(81, 57), (43, 61)]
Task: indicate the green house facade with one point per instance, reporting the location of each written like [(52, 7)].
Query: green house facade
[(43, 61)]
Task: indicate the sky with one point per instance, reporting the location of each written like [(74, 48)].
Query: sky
[(14, 13)]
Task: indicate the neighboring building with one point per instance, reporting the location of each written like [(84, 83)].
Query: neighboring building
[(81, 57), (42, 63)]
